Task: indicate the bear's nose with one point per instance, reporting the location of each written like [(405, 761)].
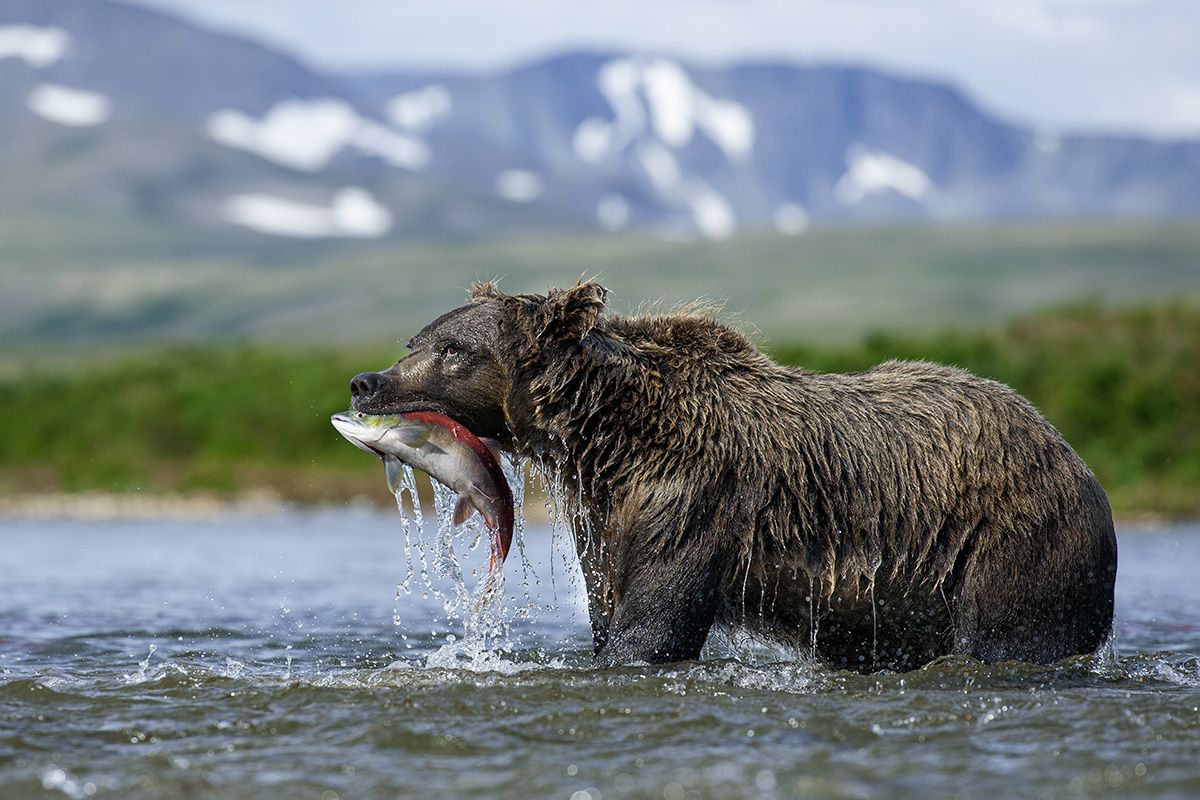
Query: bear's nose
[(365, 385)]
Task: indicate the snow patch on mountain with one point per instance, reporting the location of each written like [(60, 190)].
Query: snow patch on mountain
[(612, 211), (656, 96), (397, 149), (594, 140), (301, 134), (419, 109), (618, 81), (306, 134), (76, 108), (678, 108), (872, 172), (670, 97), (519, 185), (39, 47), (660, 166), (657, 110), (353, 213), (710, 212)]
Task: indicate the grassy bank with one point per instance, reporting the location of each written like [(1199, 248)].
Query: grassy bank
[(73, 283), (1123, 386)]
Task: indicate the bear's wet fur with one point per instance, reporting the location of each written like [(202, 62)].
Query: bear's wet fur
[(880, 518)]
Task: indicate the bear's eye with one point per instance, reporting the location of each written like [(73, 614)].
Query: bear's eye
[(450, 351)]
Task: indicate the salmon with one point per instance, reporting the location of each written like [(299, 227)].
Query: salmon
[(447, 452)]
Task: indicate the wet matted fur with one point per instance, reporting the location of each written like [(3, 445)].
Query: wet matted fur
[(882, 518)]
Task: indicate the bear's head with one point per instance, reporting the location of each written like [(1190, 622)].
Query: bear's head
[(463, 364)]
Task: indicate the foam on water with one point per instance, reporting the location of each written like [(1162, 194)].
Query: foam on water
[(730, 660)]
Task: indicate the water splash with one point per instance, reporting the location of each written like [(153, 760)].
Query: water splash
[(143, 665), (515, 472), (874, 629), (812, 618), (445, 560), (410, 517), (146, 674), (1108, 651), (746, 577), (475, 608), (562, 520), (472, 597)]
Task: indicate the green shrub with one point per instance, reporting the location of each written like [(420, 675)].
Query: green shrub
[(1123, 385)]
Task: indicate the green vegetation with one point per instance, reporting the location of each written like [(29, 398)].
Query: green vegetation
[(183, 419), (1122, 384)]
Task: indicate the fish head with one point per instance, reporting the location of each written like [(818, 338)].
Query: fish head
[(365, 431)]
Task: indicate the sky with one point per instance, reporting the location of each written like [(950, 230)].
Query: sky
[(1082, 65)]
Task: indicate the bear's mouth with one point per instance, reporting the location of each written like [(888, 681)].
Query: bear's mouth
[(390, 409)]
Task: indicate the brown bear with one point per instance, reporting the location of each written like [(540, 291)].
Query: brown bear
[(881, 518)]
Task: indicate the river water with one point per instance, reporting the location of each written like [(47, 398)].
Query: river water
[(274, 657)]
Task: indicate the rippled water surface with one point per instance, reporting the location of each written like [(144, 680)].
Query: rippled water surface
[(274, 658)]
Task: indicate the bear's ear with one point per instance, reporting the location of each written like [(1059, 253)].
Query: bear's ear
[(482, 291), (570, 314)]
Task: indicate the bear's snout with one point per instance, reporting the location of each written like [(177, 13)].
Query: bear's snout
[(365, 387)]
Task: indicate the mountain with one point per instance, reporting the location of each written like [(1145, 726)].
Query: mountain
[(114, 108)]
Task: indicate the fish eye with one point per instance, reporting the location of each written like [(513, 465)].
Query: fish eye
[(359, 415)]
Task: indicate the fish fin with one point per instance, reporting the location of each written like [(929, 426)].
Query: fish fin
[(488, 519), (413, 435), (417, 437), (394, 469), (478, 490), (494, 446), (463, 509)]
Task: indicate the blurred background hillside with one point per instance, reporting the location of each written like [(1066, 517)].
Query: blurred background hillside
[(213, 213)]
